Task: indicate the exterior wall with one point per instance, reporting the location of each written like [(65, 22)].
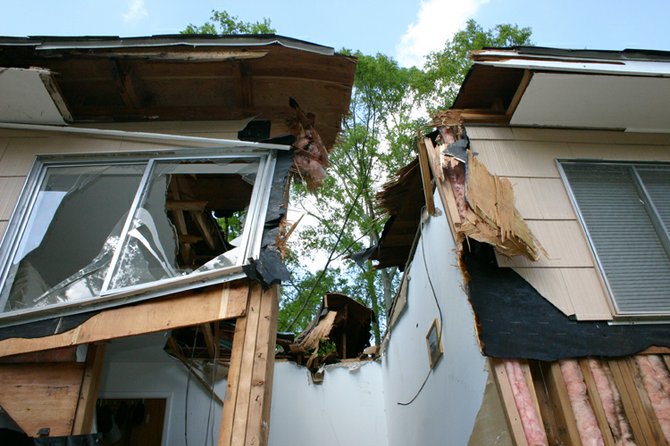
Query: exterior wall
[(444, 411), (138, 367), (18, 149), (568, 276), (346, 409)]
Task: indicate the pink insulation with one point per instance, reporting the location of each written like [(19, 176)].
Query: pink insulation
[(587, 425), (611, 401), (656, 380), (530, 420)]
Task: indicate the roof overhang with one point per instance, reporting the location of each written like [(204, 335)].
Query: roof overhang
[(184, 78), (627, 90)]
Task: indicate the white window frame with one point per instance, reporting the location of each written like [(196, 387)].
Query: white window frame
[(658, 226), (251, 238)]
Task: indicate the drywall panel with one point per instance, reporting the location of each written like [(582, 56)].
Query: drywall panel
[(41, 395), (346, 409), (10, 189), (435, 406), (138, 367), (542, 199), (564, 242)]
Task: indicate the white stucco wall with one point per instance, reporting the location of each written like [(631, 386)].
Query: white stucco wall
[(346, 409), (138, 367), (444, 411)]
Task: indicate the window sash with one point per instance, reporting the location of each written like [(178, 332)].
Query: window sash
[(18, 228), (626, 232)]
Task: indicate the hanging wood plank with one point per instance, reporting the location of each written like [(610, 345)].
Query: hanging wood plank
[(182, 310), (88, 393), (424, 166)]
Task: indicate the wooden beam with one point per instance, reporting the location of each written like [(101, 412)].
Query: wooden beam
[(246, 410), (194, 307), (185, 205), (210, 342), (424, 166), (88, 393), (521, 89), (244, 90), (558, 394), (507, 399), (132, 92), (596, 402)]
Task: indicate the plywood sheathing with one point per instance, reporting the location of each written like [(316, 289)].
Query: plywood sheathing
[(479, 205), (183, 309), (41, 395)]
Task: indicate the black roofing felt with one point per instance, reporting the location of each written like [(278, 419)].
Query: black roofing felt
[(515, 321)]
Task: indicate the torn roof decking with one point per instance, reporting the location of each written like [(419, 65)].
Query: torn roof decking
[(176, 78)]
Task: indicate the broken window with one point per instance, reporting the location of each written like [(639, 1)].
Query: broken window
[(94, 230), (625, 210)]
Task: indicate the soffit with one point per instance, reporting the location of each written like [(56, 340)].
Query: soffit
[(544, 87), (191, 78), (28, 95), (595, 101)]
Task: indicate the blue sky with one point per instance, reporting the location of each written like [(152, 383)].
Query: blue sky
[(405, 29)]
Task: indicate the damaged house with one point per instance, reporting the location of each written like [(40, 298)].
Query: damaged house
[(144, 188), (543, 256)]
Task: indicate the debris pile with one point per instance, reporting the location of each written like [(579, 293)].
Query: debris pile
[(341, 330)]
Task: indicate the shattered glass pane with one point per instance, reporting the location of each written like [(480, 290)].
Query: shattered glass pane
[(70, 236), (175, 231)]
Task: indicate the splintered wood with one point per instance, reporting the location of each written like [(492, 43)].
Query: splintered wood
[(480, 205)]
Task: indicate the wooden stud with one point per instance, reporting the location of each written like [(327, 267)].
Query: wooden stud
[(212, 347), (632, 405), (520, 90), (246, 409), (424, 166), (88, 393), (558, 394), (596, 402), (183, 310), (644, 401), (507, 399)]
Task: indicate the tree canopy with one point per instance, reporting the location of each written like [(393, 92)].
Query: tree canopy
[(222, 23), (389, 105)]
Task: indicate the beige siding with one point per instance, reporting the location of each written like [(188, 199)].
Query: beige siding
[(11, 188), (567, 276), (3, 227)]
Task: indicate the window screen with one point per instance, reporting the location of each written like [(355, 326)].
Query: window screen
[(625, 209)]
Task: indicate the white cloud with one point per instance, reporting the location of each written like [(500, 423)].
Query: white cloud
[(437, 21), (136, 12)]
